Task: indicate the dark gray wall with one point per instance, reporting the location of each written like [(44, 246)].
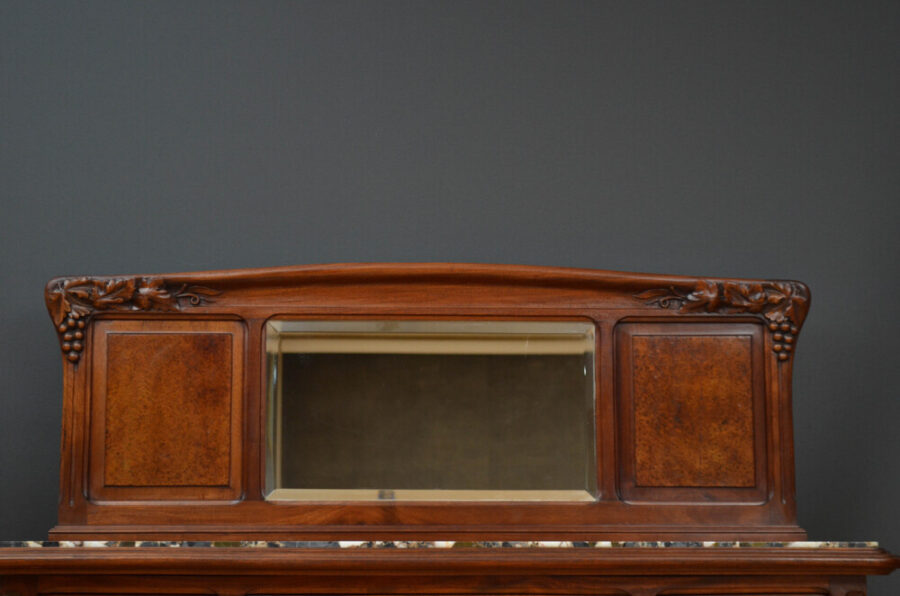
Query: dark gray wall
[(735, 139)]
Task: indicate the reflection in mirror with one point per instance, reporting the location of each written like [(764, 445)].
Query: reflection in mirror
[(430, 410)]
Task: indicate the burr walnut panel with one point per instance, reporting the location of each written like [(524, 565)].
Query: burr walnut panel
[(693, 411), (689, 410), (169, 409)]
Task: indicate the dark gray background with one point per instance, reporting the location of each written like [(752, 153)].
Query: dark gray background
[(751, 139)]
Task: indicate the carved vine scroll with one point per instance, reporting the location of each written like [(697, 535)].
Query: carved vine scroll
[(73, 302), (783, 304)]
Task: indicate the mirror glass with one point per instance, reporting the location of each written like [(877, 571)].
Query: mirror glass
[(422, 410)]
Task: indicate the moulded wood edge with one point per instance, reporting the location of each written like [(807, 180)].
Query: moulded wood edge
[(480, 561)]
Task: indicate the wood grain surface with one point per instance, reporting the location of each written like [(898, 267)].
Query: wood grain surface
[(693, 411)]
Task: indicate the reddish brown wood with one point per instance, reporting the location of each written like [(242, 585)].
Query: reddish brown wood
[(155, 504)]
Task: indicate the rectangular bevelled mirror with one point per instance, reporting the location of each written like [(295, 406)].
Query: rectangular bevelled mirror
[(425, 410)]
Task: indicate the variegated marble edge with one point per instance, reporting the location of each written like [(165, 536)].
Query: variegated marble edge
[(348, 544)]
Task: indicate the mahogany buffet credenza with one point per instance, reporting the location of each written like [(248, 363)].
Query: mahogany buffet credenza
[(429, 429)]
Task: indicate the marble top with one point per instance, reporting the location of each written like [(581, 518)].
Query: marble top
[(350, 544)]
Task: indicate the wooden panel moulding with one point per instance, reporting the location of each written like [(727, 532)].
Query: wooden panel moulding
[(692, 412), (167, 410)]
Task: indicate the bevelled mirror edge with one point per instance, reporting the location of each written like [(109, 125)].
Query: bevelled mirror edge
[(488, 393)]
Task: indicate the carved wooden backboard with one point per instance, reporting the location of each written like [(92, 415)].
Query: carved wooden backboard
[(166, 413)]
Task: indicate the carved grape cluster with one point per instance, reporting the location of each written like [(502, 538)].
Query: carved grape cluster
[(783, 336), (71, 332)]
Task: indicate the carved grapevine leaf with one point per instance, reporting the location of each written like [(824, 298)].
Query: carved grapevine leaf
[(73, 302), (750, 297), (704, 297), (793, 301), (58, 306), (797, 308), (112, 294), (782, 304), (153, 293)]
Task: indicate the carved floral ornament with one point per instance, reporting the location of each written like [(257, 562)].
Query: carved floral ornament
[(783, 304), (73, 302)]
